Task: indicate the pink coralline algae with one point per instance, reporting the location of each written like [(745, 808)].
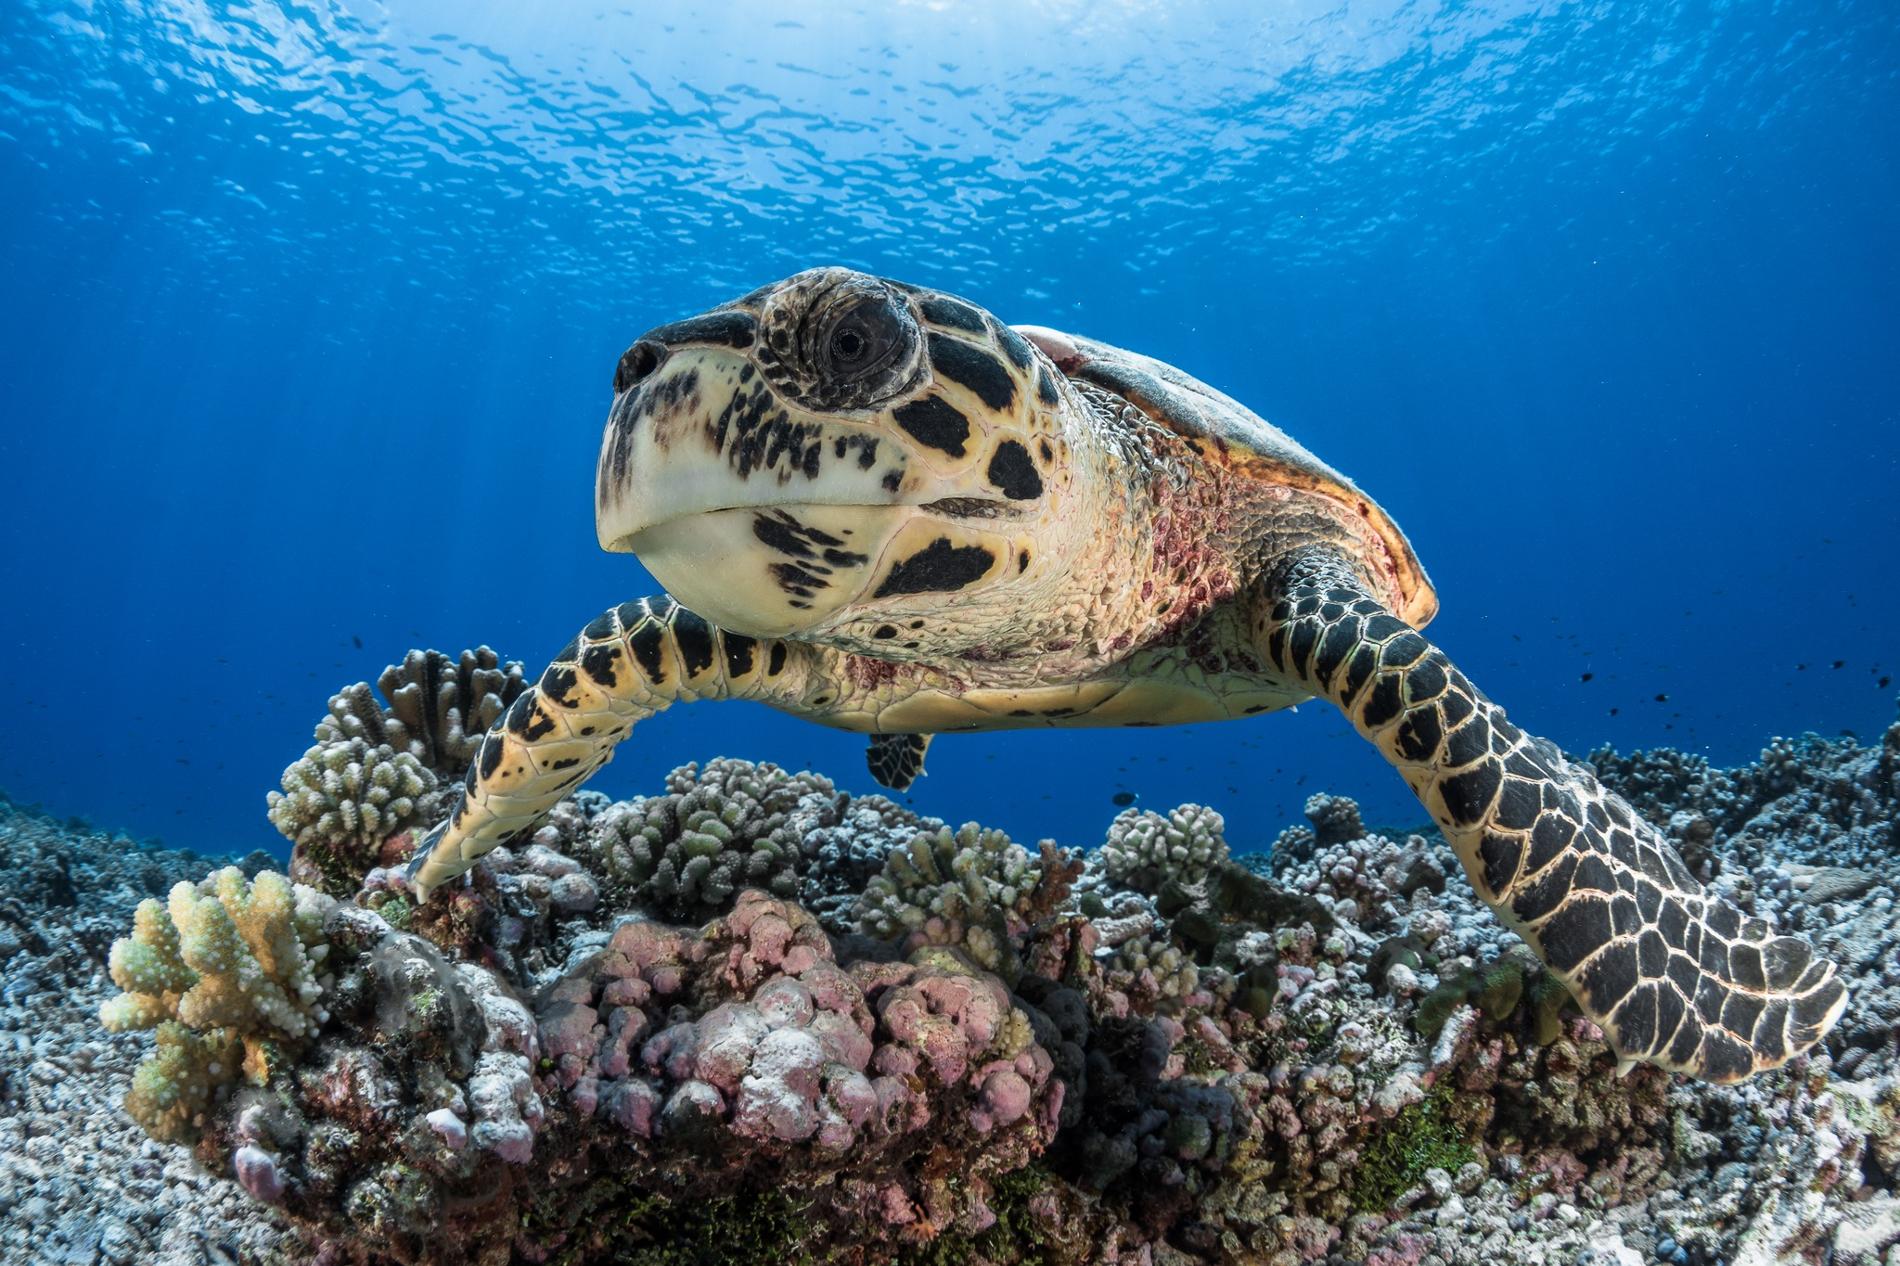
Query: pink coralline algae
[(789, 1048)]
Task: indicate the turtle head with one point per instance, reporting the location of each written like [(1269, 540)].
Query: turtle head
[(844, 457)]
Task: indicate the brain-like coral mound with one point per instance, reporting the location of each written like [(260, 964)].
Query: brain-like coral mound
[(341, 801), (436, 708), (687, 854), (973, 888), (224, 970)]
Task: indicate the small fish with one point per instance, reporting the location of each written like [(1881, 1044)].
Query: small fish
[(1123, 798), (1884, 682), (1840, 663), (1661, 697), (1614, 711), (1586, 677)]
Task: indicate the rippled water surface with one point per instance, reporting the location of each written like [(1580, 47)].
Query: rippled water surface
[(311, 312)]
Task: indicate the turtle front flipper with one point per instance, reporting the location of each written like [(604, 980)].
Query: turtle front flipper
[(897, 759), (1673, 974), (628, 664)]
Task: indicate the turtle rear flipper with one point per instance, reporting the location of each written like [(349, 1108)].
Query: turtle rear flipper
[(896, 760), (1672, 973)]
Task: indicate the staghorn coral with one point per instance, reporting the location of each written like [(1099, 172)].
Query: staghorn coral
[(437, 708), (972, 888), (224, 969), (1146, 851), (341, 801)]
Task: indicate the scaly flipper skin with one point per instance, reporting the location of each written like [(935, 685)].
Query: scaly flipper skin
[(628, 664), (896, 760), (1673, 974)]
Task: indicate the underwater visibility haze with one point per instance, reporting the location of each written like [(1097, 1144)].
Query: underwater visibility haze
[(319, 316)]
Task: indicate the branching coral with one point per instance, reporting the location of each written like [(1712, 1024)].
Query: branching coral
[(1146, 851), (437, 711), (341, 801), (1153, 971), (972, 888), (688, 853), (224, 969)]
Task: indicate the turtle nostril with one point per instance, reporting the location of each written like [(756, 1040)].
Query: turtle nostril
[(640, 360)]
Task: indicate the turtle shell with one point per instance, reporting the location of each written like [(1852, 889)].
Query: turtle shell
[(1246, 442)]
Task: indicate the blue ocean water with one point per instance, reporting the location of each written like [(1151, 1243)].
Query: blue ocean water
[(311, 312)]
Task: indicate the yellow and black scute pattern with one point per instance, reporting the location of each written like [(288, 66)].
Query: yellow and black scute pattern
[(1675, 975), (626, 665)]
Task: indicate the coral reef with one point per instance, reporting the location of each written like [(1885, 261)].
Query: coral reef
[(379, 768), (854, 1035), (227, 971), (435, 709), (688, 853), (1145, 851), (340, 801), (971, 888)]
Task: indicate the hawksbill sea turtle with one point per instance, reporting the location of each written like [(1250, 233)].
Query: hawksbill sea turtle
[(878, 507)]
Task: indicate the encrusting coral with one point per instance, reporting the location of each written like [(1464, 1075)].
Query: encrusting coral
[(805, 1024), (223, 969)]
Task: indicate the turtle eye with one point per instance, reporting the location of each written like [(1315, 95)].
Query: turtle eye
[(864, 339)]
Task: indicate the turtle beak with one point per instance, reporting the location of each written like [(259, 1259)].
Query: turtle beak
[(699, 431), (760, 517)]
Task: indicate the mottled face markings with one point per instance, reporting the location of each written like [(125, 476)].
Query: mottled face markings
[(863, 445), (1673, 974), (1014, 473), (653, 404), (939, 567), (974, 368), (935, 422), (756, 434), (817, 554)]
